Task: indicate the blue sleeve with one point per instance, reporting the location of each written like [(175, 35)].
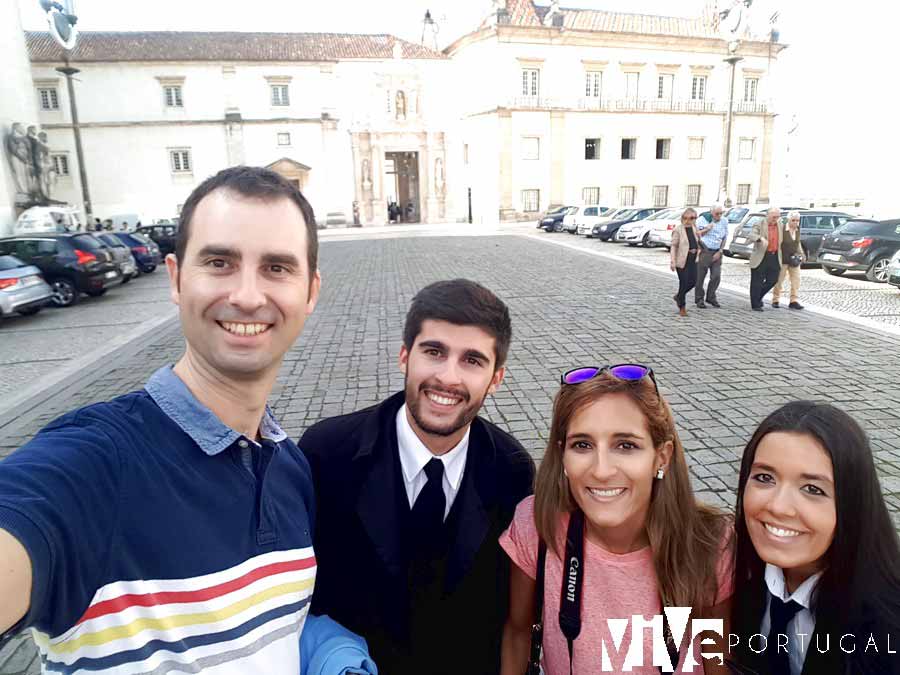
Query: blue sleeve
[(58, 497), (327, 648)]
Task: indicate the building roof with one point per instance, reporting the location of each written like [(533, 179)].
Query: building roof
[(222, 46)]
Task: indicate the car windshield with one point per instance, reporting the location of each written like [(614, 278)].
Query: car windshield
[(141, 237), (110, 239), (9, 262), (88, 242), (660, 214), (571, 210), (624, 215), (736, 215), (858, 227)]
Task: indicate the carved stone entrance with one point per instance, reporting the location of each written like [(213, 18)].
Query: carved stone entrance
[(401, 180), (295, 172)]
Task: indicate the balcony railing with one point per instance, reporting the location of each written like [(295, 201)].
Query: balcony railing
[(633, 105)]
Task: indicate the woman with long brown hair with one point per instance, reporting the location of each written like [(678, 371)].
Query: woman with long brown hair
[(613, 499)]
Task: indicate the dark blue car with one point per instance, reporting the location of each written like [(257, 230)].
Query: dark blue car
[(144, 249)]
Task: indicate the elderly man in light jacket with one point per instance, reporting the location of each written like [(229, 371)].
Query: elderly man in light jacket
[(765, 261)]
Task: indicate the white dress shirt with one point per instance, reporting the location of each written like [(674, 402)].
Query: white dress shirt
[(801, 627), (414, 456)]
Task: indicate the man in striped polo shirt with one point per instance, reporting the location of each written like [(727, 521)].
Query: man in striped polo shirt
[(170, 529)]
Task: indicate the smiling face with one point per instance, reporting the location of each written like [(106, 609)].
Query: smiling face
[(789, 506), (611, 463), (243, 289), (449, 372)]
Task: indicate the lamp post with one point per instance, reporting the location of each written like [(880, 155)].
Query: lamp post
[(726, 184), (68, 71)]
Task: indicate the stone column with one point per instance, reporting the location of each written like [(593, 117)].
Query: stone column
[(765, 169), (557, 157), (379, 208), (507, 212)]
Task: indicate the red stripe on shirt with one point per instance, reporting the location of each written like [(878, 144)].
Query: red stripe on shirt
[(123, 602)]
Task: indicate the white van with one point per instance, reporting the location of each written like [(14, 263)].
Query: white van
[(48, 219)]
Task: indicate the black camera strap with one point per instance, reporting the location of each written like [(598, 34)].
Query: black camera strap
[(570, 594)]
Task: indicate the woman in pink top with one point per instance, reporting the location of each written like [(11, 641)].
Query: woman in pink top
[(613, 499)]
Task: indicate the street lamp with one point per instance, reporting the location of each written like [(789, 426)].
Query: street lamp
[(731, 24), (726, 177)]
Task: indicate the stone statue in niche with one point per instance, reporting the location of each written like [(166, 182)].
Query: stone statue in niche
[(366, 175), (18, 154), (400, 105), (46, 173), (439, 176)]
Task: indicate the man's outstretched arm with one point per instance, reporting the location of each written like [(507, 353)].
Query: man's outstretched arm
[(15, 581)]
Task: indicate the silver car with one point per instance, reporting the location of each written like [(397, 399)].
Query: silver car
[(22, 288)]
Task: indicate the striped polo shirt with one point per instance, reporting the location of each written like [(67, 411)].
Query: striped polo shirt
[(161, 540)]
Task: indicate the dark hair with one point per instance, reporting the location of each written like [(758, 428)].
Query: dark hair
[(860, 583), (463, 303), (255, 183)]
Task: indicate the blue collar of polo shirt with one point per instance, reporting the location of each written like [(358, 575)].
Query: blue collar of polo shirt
[(195, 419)]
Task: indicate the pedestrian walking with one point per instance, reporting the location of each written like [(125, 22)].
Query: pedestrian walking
[(712, 238), (765, 261), (413, 493), (613, 530), (792, 258), (683, 256)]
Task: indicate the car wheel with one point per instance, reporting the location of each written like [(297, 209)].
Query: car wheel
[(29, 311), (833, 270), (64, 292), (645, 242), (149, 268), (728, 253), (879, 271), (125, 280)]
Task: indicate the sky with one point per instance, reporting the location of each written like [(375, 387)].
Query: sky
[(838, 75)]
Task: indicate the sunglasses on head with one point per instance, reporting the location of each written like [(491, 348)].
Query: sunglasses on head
[(630, 372)]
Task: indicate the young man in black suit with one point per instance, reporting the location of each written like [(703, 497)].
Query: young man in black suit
[(413, 494)]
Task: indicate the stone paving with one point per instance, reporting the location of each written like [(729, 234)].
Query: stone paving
[(722, 371)]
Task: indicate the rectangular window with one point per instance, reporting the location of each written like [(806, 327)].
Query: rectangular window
[(280, 94), (631, 85), (698, 88), (695, 148), (692, 195), (626, 195), (746, 148), (660, 195), (750, 85), (180, 160), (629, 148), (743, 193), (531, 147), (592, 148), (49, 98), (466, 154), (284, 139), (663, 146), (664, 87), (531, 82), (590, 195), (531, 200), (172, 93), (592, 84), (60, 164)]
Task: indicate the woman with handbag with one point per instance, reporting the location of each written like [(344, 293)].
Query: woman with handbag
[(792, 256), (613, 500), (683, 256)]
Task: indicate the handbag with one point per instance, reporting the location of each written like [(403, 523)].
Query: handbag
[(795, 260), (537, 628)]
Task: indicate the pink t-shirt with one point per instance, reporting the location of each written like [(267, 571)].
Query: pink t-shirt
[(615, 587)]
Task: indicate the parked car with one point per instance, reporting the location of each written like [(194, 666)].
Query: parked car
[(48, 219), (862, 246), (71, 263), (121, 255), (588, 216), (608, 230), (814, 225), (894, 270), (22, 289), (163, 234), (144, 250), (638, 232), (737, 217), (553, 219), (660, 233), (741, 246)]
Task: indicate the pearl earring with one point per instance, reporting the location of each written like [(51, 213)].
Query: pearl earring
[(660, 474)]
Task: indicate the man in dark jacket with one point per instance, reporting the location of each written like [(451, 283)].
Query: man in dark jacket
[(413, 493)]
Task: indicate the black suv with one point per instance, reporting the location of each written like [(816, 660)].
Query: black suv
[(71, 263), (862, 246), (163, 234)]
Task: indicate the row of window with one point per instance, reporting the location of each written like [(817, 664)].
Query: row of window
[(665, 85), (48, 97), (531, 199), (531, 148)]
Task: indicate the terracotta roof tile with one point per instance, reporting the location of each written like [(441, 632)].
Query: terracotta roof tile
[(215, 46)]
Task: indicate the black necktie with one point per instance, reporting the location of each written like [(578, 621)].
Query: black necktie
[(780, 614), (428, 510)]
